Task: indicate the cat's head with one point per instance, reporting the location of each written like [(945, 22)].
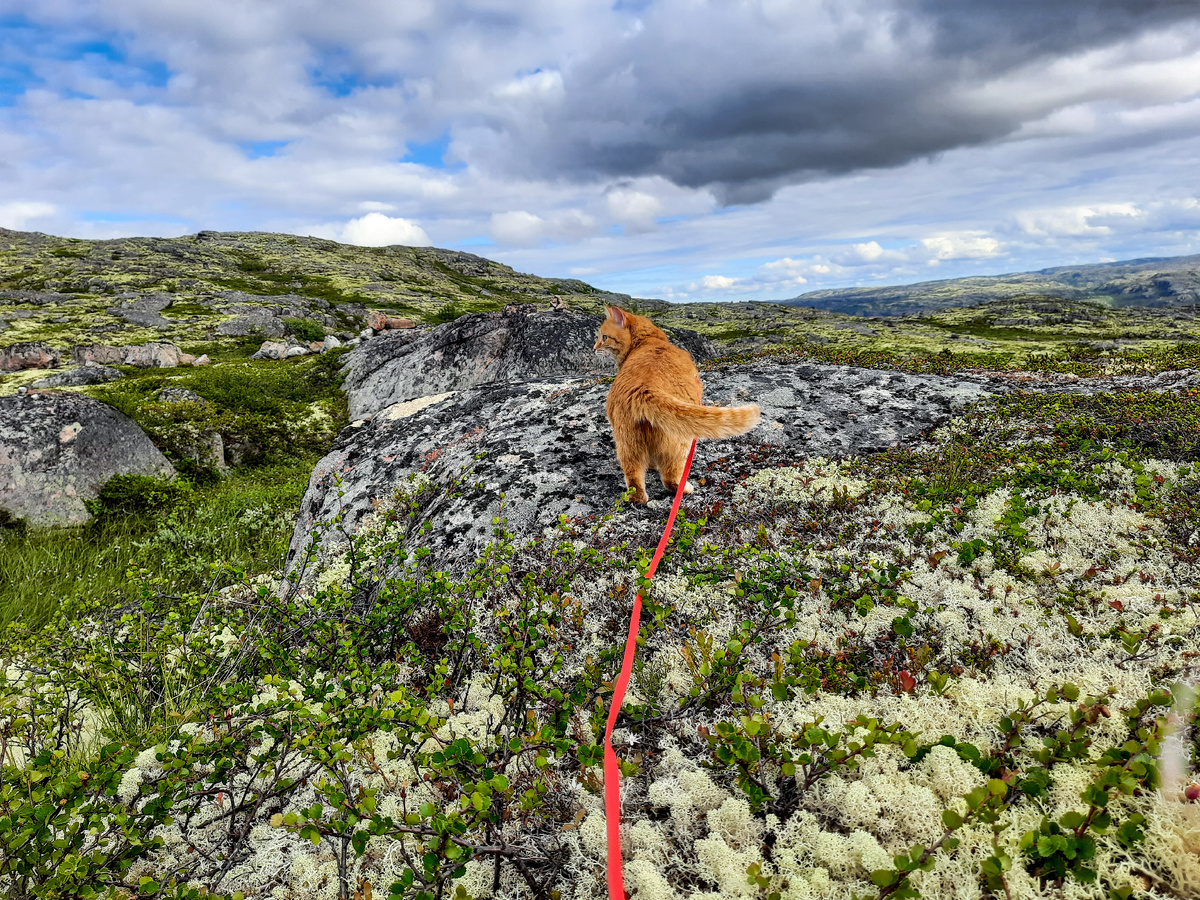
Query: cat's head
[(613, 336)]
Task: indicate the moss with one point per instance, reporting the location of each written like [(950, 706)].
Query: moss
[(179, 309)]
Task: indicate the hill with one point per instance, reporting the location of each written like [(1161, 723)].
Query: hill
[(1152, 282), (131, 290)]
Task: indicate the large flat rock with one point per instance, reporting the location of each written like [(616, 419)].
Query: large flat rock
[(548, 447), (518, 344), (58, 448)]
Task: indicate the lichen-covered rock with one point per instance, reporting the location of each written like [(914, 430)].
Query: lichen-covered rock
[(255, 322), (29, 355), (516, 344), (548, 447), (145, 311), (154, 355), (79, 377), (98, 354), (58, 448)]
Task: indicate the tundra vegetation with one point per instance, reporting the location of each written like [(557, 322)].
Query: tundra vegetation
[(962, 668)]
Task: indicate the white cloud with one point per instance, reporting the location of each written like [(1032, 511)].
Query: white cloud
[(536, 86), (518, 227), (962, 245), (868, 253), (633, 209), (18, 214), (1073, 221), (521, 228), (715, 284), (377, 230)]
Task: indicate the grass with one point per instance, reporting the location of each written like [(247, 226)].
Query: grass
[(245, 520), (279, 417)]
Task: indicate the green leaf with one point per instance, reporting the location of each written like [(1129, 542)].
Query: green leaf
[(885, 877)]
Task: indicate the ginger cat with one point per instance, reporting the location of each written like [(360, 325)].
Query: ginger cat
[(654, 404)]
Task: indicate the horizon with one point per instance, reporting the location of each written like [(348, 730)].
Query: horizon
[(705, 153)]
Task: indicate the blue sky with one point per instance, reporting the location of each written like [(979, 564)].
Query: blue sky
[(686, 149)]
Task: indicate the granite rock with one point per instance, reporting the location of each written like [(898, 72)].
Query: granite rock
[(154, 355), (517, 344), (260, 322), (29, 355), (80, 376), (58, 448), (547, 445), (145, 311)]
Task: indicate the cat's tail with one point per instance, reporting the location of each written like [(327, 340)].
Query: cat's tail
[(692, 420)]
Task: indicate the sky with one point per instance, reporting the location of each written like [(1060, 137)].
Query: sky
[(683, 149)]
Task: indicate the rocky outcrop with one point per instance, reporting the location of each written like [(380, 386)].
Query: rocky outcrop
[(154, 355), (261, 322), (57, 449), (80, 377), (144, 311), (518, 344), (29, 355), (547, 445)]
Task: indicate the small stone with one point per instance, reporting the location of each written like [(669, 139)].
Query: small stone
[(271, 350), (298, 351), (316, 346), (202, 360), (331, 342), (186, 359), (376, 321), (395, 322)]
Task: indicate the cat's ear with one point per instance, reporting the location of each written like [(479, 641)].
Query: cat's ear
[(617, 315)]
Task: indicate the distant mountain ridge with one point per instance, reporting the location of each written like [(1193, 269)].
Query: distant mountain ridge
[(1152, 281)]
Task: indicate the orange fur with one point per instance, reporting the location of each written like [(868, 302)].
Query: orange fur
[(654, 404)]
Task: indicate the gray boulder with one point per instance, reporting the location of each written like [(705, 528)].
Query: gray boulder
[(261, 322), (29, 355), (153, 355), (518, 344), (271, 350), (547, 445), (58, 448), (145, 311), (79, 377)]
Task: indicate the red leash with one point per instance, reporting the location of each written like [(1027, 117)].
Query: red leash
[(612, 773)]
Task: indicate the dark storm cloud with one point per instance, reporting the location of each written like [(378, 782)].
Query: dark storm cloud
[(706, 96), (1022, 28)]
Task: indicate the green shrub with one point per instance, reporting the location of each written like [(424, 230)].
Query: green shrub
[(447, 313), (305, 329), (137, 494)]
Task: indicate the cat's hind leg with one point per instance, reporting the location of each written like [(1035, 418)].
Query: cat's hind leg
[(671, 458), (634, 459)]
